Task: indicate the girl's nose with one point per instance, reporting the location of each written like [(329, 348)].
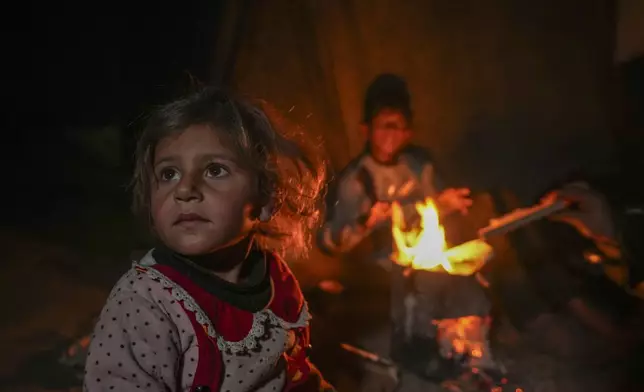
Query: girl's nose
[(188, 189)]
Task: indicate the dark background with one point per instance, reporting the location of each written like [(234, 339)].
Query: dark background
[(509, 94), (78, 66), (537, 98), (73, 67)]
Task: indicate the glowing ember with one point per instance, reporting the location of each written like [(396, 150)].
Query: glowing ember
[(465, 337), (424, 247)]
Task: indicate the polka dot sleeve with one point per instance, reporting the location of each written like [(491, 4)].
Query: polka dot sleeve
[(135, 347)]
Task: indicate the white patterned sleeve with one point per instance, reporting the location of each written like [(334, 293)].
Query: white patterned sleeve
[(135, 346)]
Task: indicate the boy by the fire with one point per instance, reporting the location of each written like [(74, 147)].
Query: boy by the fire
[(391, 170)]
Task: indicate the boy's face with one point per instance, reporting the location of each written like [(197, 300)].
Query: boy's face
[(201, 199), (388, 134)]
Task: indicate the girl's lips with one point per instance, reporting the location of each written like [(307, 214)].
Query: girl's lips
[(190, 217)]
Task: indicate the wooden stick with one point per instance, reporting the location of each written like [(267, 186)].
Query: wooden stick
[(520, 218), (503, 225)]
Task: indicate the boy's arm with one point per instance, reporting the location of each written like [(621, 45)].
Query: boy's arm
[(347, 212)]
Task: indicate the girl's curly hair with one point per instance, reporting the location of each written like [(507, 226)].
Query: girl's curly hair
[(290, 168)]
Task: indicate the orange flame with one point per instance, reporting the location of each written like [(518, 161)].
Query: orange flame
[(424, 247)]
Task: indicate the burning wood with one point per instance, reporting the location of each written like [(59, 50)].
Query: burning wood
[(384, 375), (465, 339)]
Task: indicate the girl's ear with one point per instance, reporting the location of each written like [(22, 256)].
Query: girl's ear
[(266, 213)]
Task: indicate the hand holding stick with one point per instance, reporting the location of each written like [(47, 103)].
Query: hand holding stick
[(503, 225), (522, 217)]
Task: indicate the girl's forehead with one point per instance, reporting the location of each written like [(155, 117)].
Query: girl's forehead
[(195, 140)]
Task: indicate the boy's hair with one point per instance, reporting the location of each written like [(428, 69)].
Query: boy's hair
[(387, 91), (289, 168)]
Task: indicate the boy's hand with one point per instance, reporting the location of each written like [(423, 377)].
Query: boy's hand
[(454, 199), (380, 212), (592, 215)]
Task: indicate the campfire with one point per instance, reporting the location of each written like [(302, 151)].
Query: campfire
[(462, 335), (462, 328), (424, 247)]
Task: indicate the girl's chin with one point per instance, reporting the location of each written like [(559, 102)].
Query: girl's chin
[(195, 246)]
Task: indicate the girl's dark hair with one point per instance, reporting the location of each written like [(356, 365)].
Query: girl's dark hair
[(387, 91), (290, 169)]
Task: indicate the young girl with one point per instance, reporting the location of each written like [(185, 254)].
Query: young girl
[(213, 307)]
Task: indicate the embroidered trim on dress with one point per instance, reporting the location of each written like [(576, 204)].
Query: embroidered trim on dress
[(257, 329)]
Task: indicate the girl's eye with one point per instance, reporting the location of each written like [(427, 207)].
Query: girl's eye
[(168, 174), (217, 171)]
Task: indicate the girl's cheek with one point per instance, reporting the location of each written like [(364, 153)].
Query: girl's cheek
[(156, 207)]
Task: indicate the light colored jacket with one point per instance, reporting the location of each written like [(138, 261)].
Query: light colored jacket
[(364, 182)]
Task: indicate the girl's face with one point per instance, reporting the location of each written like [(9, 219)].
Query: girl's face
[(201, 198)]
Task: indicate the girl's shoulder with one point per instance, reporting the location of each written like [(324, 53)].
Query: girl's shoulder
[(139, 336), (288, 301), (282, 276), (140, 283)]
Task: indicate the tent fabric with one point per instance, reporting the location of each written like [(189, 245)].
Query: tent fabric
[(507, 95), (503, 91)]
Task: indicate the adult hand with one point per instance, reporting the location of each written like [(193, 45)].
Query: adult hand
[(454, 199), (590, 213)]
